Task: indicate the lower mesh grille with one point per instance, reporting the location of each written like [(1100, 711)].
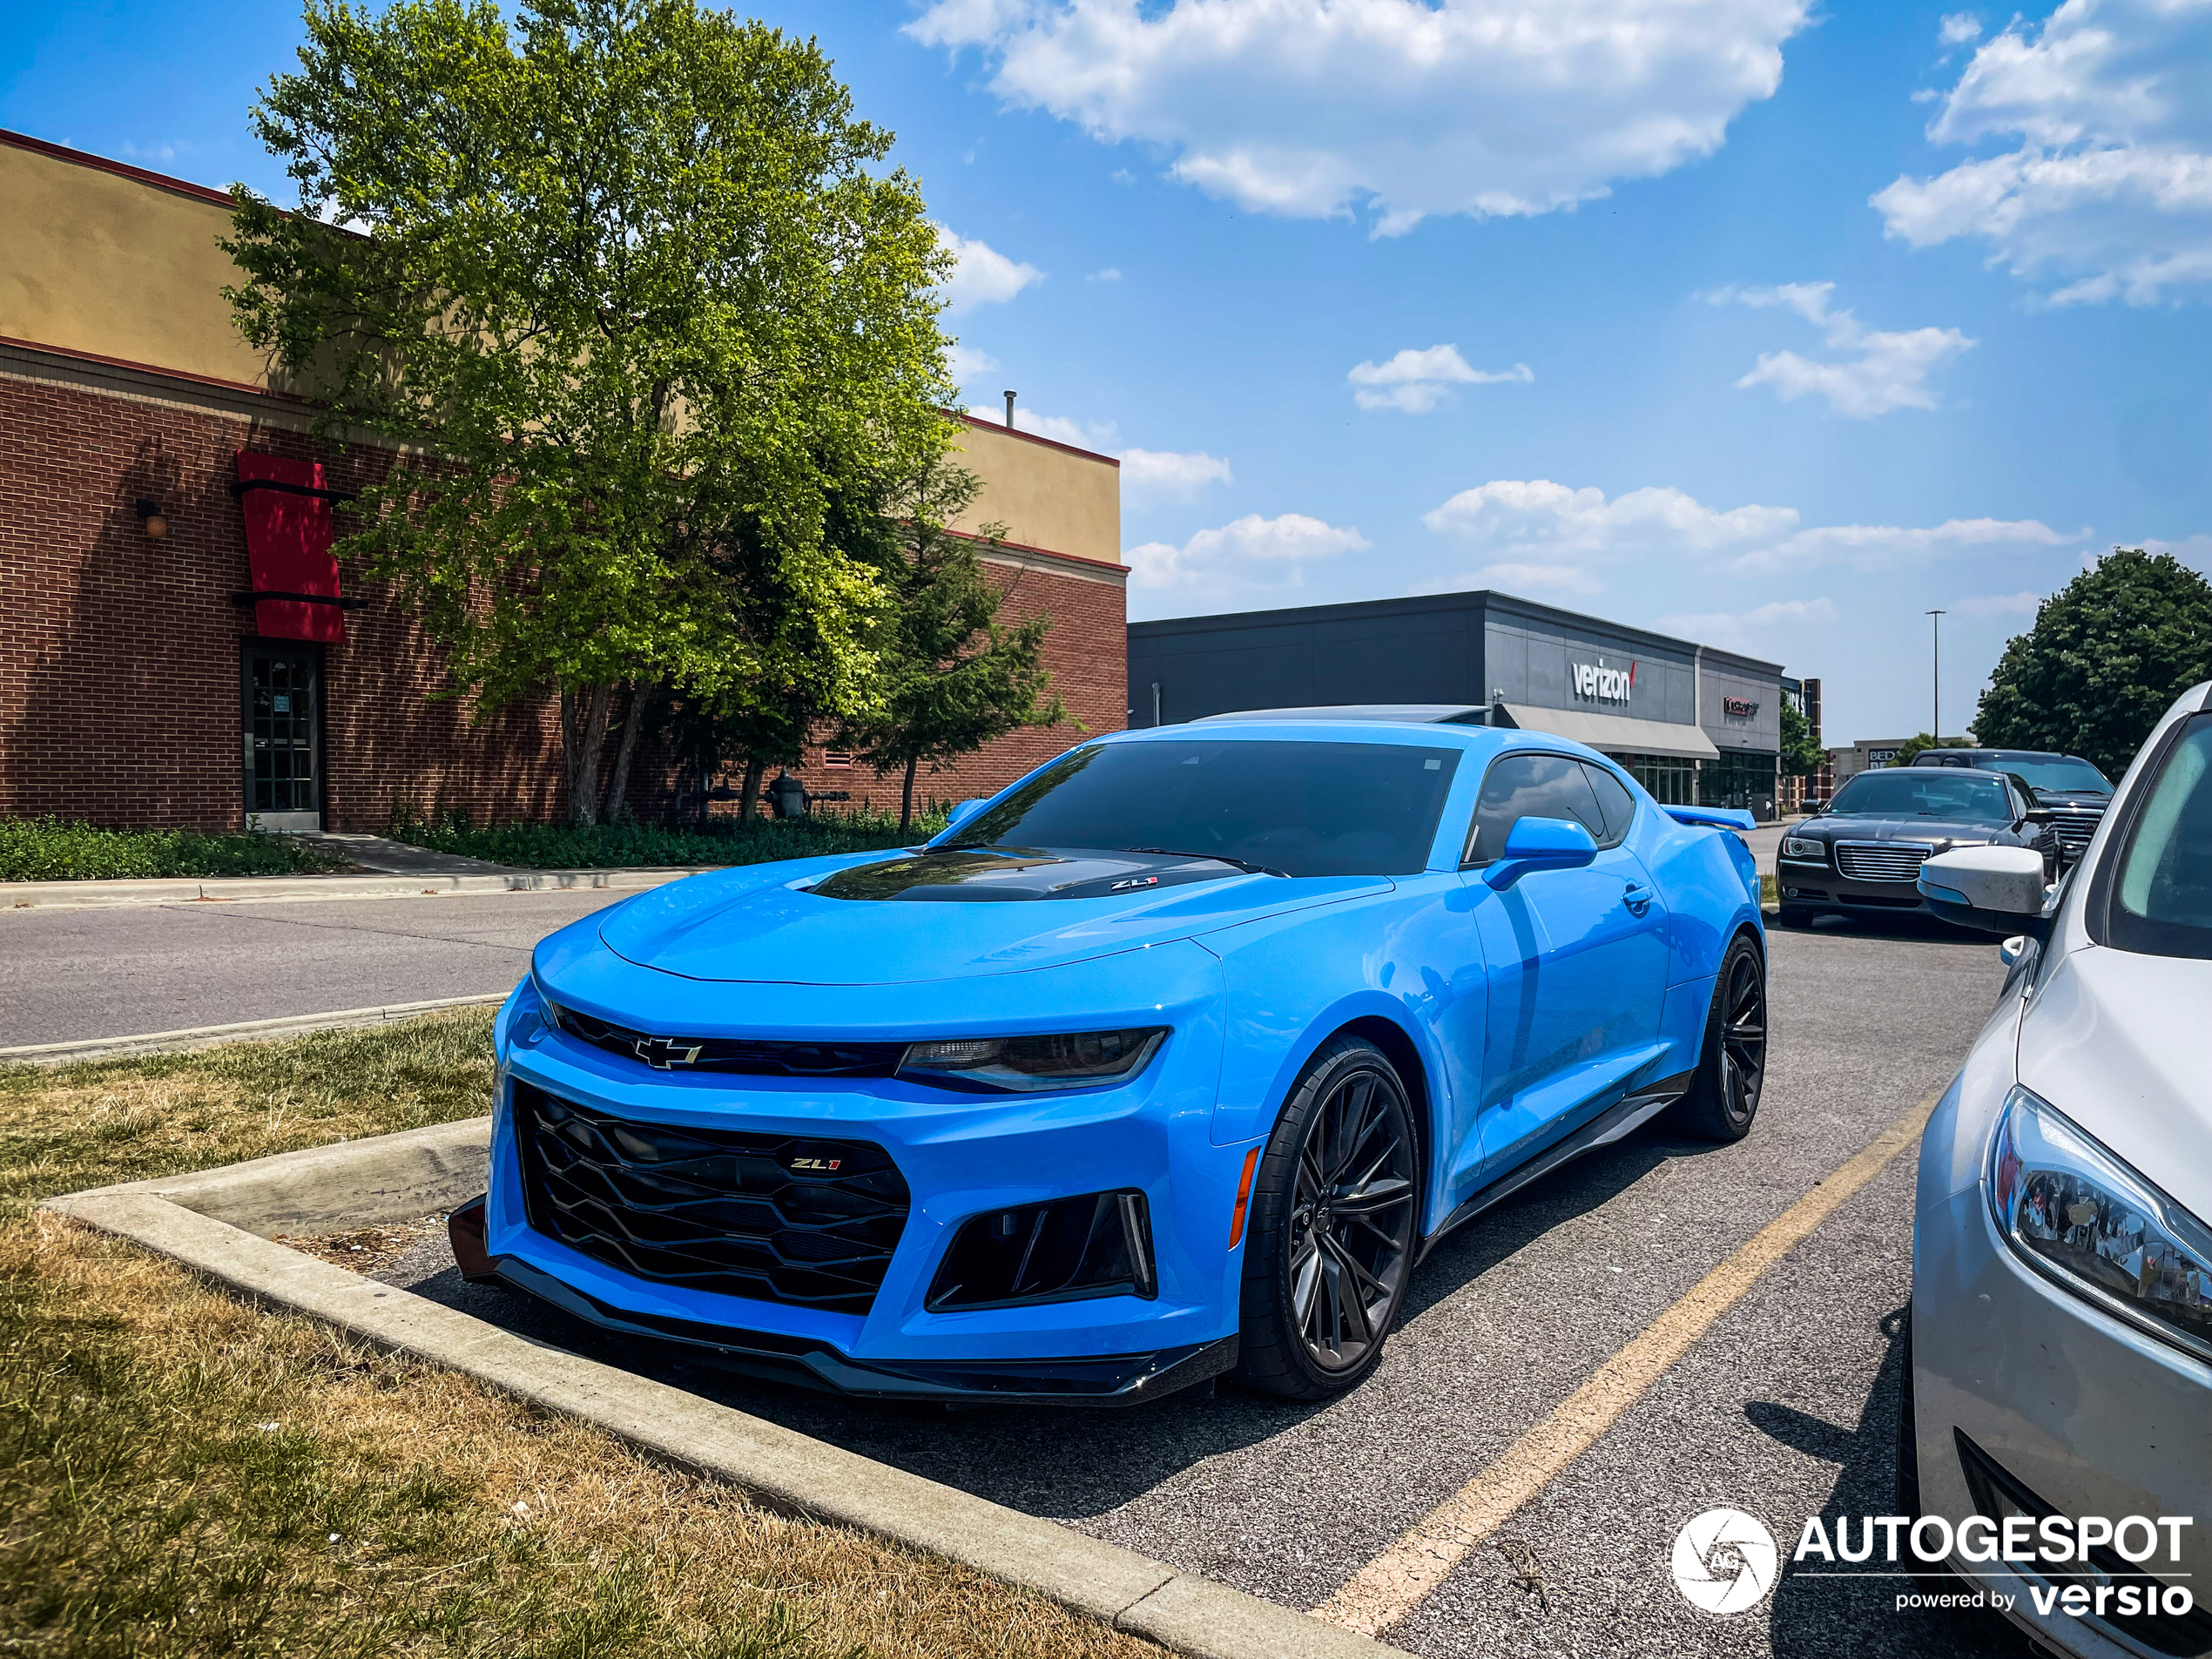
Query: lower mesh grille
[(811, 1223), (1880, 860)]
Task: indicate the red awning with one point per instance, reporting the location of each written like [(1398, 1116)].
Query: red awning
[(288, 532)]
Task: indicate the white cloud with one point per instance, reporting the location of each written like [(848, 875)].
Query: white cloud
[(2190, 550), (1309, 108), (1150, 475), (2110, 189), (1958, 28), (1416, 382), (1268, 550), (983, 276), (1536, 578), (1888, 372), (1109, 274), (963, 362), (1741, 627), (1999, 605), (1535, 522), (1094, 434)]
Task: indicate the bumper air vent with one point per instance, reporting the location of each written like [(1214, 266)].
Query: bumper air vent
[(1099, 1244), (808, 1222)]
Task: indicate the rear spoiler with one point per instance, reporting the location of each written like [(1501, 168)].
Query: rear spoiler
[(1713, 817)]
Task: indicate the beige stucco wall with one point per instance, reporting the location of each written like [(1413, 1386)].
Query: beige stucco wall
[(1046, 495), (112, 267)]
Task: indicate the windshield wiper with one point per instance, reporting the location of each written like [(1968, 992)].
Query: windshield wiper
[(1248, 867)]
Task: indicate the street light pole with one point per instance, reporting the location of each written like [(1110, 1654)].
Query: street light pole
[(1935, 677)]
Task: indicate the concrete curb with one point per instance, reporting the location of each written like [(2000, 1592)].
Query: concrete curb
[(215, 1222), (209, 1036), (266, 889)]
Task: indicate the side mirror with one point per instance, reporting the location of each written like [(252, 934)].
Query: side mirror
[(963, 809), (1541, 844), (1812, 807), (1997, 889)]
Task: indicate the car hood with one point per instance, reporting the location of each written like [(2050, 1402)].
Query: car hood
[(1903, 829), (759, 924), (2113, 1039)]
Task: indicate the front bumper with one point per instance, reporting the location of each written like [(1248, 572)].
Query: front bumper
[(2089, 1414), (1825, 890), (960, 1155)]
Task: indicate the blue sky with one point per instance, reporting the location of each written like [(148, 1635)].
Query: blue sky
[(1770, 327)]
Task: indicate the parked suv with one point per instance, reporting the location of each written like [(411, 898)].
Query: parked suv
[(2074, 792)]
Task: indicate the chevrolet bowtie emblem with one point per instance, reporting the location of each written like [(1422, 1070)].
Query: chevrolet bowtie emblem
[(661, 1054)]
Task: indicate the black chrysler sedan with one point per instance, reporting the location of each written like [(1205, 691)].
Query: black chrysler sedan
[(2075, 791), (1861, 853)]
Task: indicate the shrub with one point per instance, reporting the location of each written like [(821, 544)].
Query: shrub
[(46, 849)]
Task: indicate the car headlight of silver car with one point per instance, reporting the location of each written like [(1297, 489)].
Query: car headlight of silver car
[(2083, 1218), (1077, 1060), (1799, 846)]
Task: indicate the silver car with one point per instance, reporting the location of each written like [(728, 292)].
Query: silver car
[(2060, 1371)]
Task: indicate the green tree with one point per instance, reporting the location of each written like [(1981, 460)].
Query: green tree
[(953, 678), (2108, 654), (629, 277), (1802, 755)]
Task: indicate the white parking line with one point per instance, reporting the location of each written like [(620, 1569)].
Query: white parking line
[(1390, 1586)]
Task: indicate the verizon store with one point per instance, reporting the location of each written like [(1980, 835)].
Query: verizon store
[(1691, 722)]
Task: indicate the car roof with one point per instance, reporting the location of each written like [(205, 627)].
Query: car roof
[(1327, 725), (1406, 713), (1929, 757)]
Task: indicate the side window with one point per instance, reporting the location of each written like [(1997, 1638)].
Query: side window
[(1614, 798), (1518, 787)]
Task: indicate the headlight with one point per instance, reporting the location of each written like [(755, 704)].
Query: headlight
[(2082, 1218), (1083, 1060), (1798, 847)]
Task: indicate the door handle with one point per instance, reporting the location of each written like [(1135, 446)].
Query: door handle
[(1637, 898)]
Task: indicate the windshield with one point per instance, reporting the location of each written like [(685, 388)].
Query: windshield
[(2162, 902), (2063, 772), (1925, 791), (1302, 808)]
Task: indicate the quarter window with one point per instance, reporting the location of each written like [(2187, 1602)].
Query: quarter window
[(1618, 805), (1528, 785)]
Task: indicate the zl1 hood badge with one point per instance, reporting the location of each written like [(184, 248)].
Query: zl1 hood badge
[(1135, 881)]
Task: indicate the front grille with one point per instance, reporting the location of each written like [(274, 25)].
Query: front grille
[(1880, 860), (757, 1057), (2075, 827), (810, 1222)]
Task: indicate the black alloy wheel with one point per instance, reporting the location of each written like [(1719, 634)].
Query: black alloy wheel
[(1724, 1097), (1334, 1223)]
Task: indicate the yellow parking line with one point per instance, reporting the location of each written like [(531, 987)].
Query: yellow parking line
[(1401, 1578)]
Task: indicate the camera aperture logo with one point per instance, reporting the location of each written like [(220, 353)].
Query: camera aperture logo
[(1724, 1561)]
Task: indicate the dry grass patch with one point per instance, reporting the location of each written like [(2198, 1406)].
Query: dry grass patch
[(184, 1475)]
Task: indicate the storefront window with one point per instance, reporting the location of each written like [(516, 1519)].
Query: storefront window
[(1739, 777), (1666, 779)]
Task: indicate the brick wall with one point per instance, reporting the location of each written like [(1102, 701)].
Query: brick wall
[(119, 655)]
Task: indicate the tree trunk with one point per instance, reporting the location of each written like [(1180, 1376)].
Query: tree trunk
[(749, 791), (584, 731), (618, 785), (906, 798)]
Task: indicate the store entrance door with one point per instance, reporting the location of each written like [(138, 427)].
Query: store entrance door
[(283, 697)]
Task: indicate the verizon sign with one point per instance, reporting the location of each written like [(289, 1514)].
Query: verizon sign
[(1604, 684)]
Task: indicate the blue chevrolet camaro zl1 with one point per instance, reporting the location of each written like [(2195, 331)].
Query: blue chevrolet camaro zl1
[(1171, 1059)]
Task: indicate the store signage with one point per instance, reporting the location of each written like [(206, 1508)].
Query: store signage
[(1738, 708), (1605, 684)]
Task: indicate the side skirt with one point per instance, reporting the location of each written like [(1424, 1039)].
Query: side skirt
[(1633, 1112)]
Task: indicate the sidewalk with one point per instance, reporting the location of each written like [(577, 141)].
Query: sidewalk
[(76, 895), (384, 856)]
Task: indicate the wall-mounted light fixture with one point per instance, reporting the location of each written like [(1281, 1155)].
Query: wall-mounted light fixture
[(150, 516)]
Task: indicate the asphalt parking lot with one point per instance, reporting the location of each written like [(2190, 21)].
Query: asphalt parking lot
[(1784, 1407)]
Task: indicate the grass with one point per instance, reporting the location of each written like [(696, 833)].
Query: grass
[(564, 847), (183, 1475), (46, 849)]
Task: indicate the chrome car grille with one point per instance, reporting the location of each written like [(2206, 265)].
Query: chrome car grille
[(810, 1222), (1880, 860), (2075, 827)]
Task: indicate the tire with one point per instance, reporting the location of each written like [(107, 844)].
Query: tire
[(1723, 1095), (1345, 1137), (1794, 916)]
